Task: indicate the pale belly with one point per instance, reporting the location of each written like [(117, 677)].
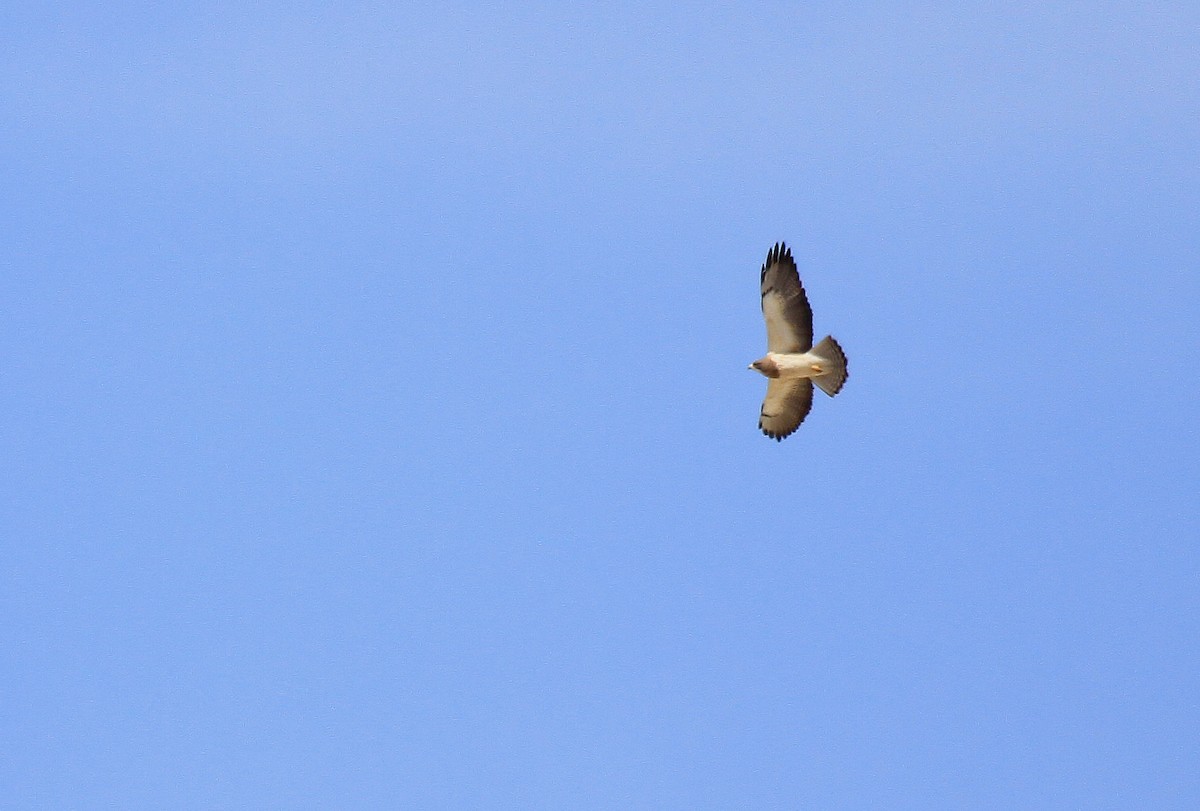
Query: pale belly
[(803, 364)]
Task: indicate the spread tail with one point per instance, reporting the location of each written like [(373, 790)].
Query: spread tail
[(832, 381)]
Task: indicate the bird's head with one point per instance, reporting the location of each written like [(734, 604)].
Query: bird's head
[(765, 367)]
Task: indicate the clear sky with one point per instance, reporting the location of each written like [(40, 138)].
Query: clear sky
[(376, 430)]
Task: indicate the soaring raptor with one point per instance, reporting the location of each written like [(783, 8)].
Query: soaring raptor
[(792, 364)]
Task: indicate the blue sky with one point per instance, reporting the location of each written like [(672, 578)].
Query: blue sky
[(377, 428)]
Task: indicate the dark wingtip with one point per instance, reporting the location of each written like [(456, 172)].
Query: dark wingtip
[(779, 252), (775, 436)]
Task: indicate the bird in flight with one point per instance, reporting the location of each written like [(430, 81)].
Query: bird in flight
[(792, 364)]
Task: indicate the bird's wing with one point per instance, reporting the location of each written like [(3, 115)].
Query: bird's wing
[(784, 305), (786, 405)]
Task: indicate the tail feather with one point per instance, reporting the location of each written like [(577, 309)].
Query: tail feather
[(832, 381)]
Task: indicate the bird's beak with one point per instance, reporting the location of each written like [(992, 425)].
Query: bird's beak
[(751, 367)]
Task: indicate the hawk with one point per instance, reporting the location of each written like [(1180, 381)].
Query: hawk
[(792, 364)]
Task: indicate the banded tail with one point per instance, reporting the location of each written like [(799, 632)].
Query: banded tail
[(832, 381)]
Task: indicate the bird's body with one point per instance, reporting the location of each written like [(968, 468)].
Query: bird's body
[(788, 366), (792, 364)]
